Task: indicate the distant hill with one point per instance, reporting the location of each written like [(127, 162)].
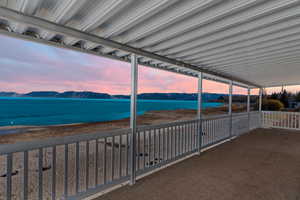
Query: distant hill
[(8, 94), (95, 95), (68, 94), (89, 95), (42, 94)]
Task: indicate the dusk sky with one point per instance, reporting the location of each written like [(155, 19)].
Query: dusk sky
[(28, 66)]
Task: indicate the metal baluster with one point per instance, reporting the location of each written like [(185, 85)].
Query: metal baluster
[(40, 189), (144, 149), (192, 133), (66, 170), (149, 143), (214, 129), (77, 167), (159, 145), (286, 120), (181, 139), (204, 132), (113, 158), (97, 161), (87, 173), (120, 156), (185, 138), (201, 133), (25, 177), (167, 142), (195, 135), (175, 141), (154, 145), (191, 136), (53, 173), (163, 144), (138, 149), (210, 132), (172, 149), (127, 163), (104, 161), (9, 163)]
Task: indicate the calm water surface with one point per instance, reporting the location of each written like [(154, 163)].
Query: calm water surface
[(52, 111)]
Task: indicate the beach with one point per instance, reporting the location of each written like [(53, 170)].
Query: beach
[(28, 133)]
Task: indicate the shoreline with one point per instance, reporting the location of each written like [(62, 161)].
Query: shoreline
[(28, 133)]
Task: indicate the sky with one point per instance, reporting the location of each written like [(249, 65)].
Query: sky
[(27, 66)]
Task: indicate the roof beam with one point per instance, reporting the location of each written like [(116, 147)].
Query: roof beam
[(67, 31)]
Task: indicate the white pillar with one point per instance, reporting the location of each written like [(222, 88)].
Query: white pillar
[(199, 110), (230, 109), (248, 107), (248, 100), (260, 107), (133, 110), (260, 99)]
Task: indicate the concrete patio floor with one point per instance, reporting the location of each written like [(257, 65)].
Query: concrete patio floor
[(264, 164)]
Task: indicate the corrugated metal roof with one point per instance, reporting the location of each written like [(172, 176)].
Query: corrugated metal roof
[(252, 41)]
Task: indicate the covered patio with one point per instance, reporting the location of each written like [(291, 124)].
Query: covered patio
[(251, 44)]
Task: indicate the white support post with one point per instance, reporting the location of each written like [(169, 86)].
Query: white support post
[(133, 110), (230, 109), (248, 107), (260, 99), (199, 111), (260, 107)]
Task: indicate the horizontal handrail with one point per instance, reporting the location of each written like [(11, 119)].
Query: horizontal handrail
[(56, 141), (284, 112)]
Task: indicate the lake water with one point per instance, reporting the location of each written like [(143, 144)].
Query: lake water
[(52, 111)]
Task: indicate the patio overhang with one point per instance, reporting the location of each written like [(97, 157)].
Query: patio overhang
[(253, 42)]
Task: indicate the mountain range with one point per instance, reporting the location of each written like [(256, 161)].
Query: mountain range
[(95, 95)]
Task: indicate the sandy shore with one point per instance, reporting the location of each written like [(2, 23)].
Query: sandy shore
[(23, 133)]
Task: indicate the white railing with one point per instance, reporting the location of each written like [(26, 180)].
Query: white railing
[(243, 122), (284, 120), (255, 120), (77, 166)]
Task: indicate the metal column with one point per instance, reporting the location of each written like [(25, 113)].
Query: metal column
[(248, 107), (199, 111), (230, 109), (133, 110), (260, 99), (260, 106)]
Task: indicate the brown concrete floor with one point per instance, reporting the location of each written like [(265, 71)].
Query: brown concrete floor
[(263, 165)]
